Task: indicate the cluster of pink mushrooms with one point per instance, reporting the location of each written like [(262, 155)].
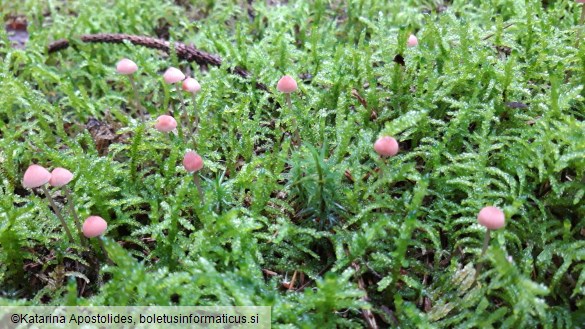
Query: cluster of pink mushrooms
[(36, 176)]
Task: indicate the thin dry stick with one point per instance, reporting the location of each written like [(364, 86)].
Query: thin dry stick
[(291, 284), (492, 34), (58, 213), (75, 217), (367, 314)]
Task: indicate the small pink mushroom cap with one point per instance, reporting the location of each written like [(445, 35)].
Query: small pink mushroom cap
[(35, 176), (94, 226), (192, 161), (126, 67), (412, 41), (491, 217), (173, 75), (386, 146), (191, 85), (165, 123), (287, 84), (60, 177)]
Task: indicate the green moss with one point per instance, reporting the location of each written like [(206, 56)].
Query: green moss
[(488, 110)]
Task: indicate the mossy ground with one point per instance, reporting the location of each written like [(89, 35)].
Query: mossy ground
[(488, 110)]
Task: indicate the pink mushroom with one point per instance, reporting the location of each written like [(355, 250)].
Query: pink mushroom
[(165, 123), (35, 176), (287, 85), (126, 67), (386, 146), (38, 176), (191, 85), (412, 41), (173, 75), (491, 217), (193, 163), (94, 226), (59, 178)]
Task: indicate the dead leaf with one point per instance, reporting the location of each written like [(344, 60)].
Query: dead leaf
[(16, 29)]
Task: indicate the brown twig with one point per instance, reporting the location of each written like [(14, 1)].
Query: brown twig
[(492, 34), (366, 313), (183, 51)]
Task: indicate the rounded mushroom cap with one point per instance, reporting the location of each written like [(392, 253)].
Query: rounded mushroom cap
[(286, 84), (94, 226), (491, 217), (173, 75), (386, 146), (35, 176), (412, 41), (191, 85), (126, 66), (165, 123), (192, 161), (60, 177)]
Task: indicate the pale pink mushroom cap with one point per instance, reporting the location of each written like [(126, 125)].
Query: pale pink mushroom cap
[(386, 146), (94, 226), (191, 85), (60, 177), (412, 41), (173, 75), (580, 1), (192, 161), (287, 84), (35, 176), (491, 217), (165, 123), (126, 66)]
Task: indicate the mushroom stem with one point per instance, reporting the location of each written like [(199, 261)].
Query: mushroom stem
[(182, 110), (198, 184), (486, 242), (75, 217), (136, 100), (58, 213), (101, 242), (297, 135), (195, 125)]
